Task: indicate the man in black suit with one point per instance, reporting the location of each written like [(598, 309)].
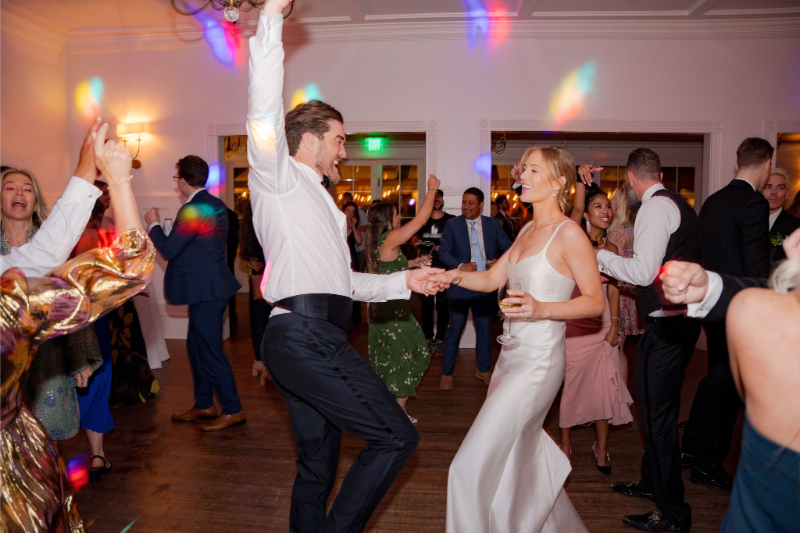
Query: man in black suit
[(781, 224), (198, 275), (503, 207), (734, 236), (470, 242)]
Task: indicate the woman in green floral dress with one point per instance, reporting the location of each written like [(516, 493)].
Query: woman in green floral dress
[(398, 350)]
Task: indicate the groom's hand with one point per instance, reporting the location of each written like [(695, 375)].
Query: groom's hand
[(275, 7), (684, 283), (418, 280)]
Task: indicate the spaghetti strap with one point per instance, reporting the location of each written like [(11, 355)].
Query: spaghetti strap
[(546, 246)]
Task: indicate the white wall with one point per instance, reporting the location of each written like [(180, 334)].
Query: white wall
[(33, 105), (737, 83)]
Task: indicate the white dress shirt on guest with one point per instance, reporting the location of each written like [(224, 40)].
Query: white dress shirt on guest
[(59, 233), (479, 230), (657, 220), (774, 216), (300, 228)]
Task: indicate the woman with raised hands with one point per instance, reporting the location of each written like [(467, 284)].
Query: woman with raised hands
[(36, 493)]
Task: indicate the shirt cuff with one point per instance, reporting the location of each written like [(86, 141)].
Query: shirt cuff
[(603, 257), (270, 26), (702, 308), (153, 225), (78, 189), (396, 286)]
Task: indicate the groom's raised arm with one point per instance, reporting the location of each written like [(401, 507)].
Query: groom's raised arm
[(267, 151)]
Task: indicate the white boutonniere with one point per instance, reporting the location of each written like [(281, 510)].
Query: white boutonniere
[(777, 239)]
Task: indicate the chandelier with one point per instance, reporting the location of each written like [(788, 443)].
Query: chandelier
[(499, 143), (230, 8)]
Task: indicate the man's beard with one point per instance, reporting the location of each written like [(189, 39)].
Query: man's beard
[(328, 167), (633, 202)]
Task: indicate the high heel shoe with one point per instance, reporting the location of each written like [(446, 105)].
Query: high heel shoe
[(257, 367), (96, 474), (603, 469), (263, 376)]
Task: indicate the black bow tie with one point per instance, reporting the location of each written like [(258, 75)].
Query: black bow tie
[(326, 181)]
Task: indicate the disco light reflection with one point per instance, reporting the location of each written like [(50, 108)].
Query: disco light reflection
[(569, 97), (89, 97)]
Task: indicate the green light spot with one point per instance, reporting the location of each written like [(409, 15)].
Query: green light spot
[(374, 144)]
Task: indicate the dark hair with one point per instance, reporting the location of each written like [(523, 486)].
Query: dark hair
[(194, 170), (592, 191), (439, 192), (375, 201), (249, 246), (500, 199), (312, 117), (348, 204), (380, 221), (98, 211), (476, 192), (98, 183), (753, 151), (644, 164)]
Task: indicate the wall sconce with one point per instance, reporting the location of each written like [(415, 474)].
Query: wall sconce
[(128, 132)]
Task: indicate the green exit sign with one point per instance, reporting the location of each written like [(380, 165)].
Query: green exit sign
[(374, 144)]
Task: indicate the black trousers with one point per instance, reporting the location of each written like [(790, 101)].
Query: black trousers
[(259, 318), (439, 302), (329, 388), (211, 372), (661, 360), (716, 406)]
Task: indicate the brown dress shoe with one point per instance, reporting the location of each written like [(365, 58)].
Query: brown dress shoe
[(446, 383), (486, 377), (224, 422), (194, 414)]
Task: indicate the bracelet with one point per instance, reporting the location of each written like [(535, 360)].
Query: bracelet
[(615, 318), (129, 178), (459, 279), (431, 189)]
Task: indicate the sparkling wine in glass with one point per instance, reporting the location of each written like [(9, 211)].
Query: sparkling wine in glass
[(426, 254), (502, 294)]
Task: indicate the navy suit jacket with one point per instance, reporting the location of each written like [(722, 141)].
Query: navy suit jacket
[(455, 248), (197, 270)]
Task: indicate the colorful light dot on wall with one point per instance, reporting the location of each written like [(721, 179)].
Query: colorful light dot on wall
[(488, 22), (306, 94), (483, 165), (570, 95), (216, 180), (89, 96)]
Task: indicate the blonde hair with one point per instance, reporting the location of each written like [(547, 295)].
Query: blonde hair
[(40, 209), (623, 216), (557, 162), (782, 172), (786, 277)]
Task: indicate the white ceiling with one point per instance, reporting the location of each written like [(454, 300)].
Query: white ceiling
[(86, 16)]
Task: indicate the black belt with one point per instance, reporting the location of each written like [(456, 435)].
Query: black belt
[(662, 319), (338, 310)]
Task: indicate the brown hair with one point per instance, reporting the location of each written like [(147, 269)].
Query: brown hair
[(312, 117), (557, 162), (380, 221), (623, 216), (644, 164), (40, 209), (753, 151)]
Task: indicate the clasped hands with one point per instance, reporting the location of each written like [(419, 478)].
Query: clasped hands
[(526, 305), (422, 280)]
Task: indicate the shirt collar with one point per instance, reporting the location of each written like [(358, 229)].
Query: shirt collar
[(744, 180), (651, 191), (477, 221), (193, 195), (774, 216)]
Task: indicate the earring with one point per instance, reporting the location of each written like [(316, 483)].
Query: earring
[(555, 193), (588, 227)]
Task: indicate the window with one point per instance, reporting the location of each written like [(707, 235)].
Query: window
[(355, 179), (501, 185), (678, 179), (400, 186)]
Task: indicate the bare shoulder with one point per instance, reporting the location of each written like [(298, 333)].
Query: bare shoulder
[(754, 314), (752, 305), (571, 235)]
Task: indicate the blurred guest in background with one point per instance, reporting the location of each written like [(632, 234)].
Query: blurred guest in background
[(354, 241), (781, 224), (503, 208), (231, 245)]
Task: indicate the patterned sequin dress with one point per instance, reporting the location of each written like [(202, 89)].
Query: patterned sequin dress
[(628, 315), (36, 494), (398, 350)]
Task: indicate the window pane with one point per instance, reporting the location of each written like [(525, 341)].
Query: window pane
[(390, 183), (608, 179), (686, 184), (362, 186), (241, 193), (409, 191), (670, 178)]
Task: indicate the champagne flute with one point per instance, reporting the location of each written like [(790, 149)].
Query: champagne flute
[(502, 294), (426, 249)]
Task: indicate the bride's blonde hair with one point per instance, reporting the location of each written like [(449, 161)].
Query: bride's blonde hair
[(786, 277), (557, 162)]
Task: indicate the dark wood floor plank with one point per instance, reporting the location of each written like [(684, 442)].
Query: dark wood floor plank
[(172, 477)]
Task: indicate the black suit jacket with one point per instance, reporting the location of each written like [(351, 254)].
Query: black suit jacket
[(197, 270), (731, 285), (784, 226), (734, 231)]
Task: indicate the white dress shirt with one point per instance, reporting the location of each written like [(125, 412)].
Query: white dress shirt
[(158, 223), (714, 291), (59, 233), (657, 220), (773, 217), (479, 230), (302, 231)]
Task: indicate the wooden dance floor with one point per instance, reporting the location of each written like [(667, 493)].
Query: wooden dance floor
[(170, 476)]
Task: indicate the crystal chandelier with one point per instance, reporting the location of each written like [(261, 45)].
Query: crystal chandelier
[(230, 8)]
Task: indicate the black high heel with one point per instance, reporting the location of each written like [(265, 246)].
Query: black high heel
[(603, 469), (96, 474)]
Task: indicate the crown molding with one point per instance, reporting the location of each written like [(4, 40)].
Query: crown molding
[(26, 26), (769, 12), (628, 126), (144, 39)]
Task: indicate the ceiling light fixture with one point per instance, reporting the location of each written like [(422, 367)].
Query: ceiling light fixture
[(230, 8)]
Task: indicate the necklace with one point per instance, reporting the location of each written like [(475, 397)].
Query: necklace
[(597, 244), (16, 242)]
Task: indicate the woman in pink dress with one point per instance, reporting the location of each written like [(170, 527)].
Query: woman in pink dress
[(621, 234), (593, 386)]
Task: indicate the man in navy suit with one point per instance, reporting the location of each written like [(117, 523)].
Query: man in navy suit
[(198, 275), (470, 242)]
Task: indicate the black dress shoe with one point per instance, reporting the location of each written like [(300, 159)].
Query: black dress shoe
[(687, 461), (719, 479), (635, 489), (652, 521)]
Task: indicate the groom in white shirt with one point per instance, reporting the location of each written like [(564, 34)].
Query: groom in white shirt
[(327, 386)]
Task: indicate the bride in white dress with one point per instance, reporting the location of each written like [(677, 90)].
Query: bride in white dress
[(508, 475)]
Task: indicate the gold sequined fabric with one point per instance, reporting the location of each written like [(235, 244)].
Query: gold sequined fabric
[(36, 494)]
